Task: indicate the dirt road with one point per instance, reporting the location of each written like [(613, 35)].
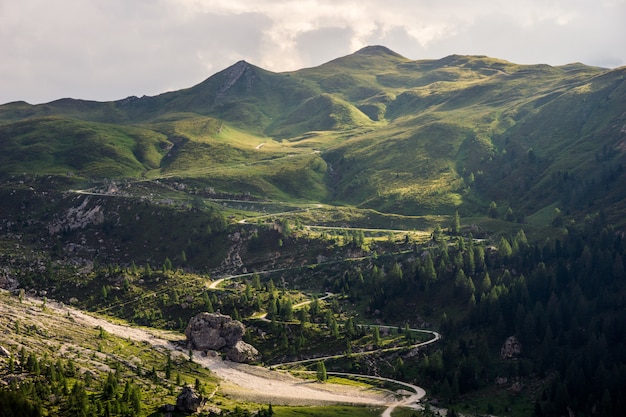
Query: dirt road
[(245, 382), (240, 380)]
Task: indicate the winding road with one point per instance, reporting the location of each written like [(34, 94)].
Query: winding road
[(261, 383), (249, 383), (410, 400)]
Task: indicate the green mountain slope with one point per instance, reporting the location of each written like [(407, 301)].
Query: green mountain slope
[(45, 145), (412, 137)]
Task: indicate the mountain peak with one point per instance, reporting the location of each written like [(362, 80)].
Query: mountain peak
[(377, 50), (233, 74)]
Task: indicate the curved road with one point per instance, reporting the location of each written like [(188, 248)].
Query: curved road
[(410, 400), (436, 337)]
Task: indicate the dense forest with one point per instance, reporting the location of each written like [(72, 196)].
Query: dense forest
[(563, 299)]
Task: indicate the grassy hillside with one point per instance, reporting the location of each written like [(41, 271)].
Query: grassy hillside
[(401, 136), (45, 145), (323, 112)]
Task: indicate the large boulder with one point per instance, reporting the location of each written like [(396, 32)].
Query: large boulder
[(188, 401), (215, 331), (242, 352), (511, 348)]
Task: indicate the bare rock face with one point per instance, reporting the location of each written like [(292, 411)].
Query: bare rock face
[(78, 218), (215, 331), (8, 282), (189, 401), (511, 348)]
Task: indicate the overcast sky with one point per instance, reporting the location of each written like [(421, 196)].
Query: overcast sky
[(110, 49)]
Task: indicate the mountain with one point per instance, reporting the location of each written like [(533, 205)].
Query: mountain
[(354, 211), (395, 135)]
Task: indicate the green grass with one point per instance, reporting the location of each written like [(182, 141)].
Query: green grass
[(54, 145), (320, 113), (389, 134), (326, 411)]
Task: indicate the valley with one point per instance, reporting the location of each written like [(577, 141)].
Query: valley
[(455, 224)]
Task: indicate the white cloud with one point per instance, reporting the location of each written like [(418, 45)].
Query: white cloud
[(110, 49)]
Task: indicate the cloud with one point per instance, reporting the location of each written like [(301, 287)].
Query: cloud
[(107, 50)]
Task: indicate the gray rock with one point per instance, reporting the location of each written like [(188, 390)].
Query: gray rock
[(511, 348), (214, 331), (4, 352), (7, 282), (242, 352), (188, 401), (219, 332)]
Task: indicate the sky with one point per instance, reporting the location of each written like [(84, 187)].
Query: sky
[(111, 49)]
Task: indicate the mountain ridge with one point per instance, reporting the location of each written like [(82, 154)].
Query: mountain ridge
[(452, 118)]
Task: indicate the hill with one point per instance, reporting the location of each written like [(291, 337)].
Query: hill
[(395, 135)]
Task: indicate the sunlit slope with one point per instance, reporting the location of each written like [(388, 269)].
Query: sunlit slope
[(460, 137), (323, 112), (567, 148), (372, 129), (233, 160), (56, 145)]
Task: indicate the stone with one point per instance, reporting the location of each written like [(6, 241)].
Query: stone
[(4, 352), (212, 409), (219, 332), (511, 348), (8, 283), (188, 401), (213, 331), (242, 352)]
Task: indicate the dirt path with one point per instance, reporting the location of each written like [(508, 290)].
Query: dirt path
[(244, 381), (409, 398)]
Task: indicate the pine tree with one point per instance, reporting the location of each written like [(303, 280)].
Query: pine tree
[(376, 337), (168, 367), (505, 248), (287, 310), (509, 215), (456, 223), (321, 372), (147, 271), (486, 283), (430, 273), (493, 210)]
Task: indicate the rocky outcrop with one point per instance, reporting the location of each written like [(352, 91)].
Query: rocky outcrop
[(215, 331), (242, 352), (188, 401), (78, 218), (7, 282), (511, 348)]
